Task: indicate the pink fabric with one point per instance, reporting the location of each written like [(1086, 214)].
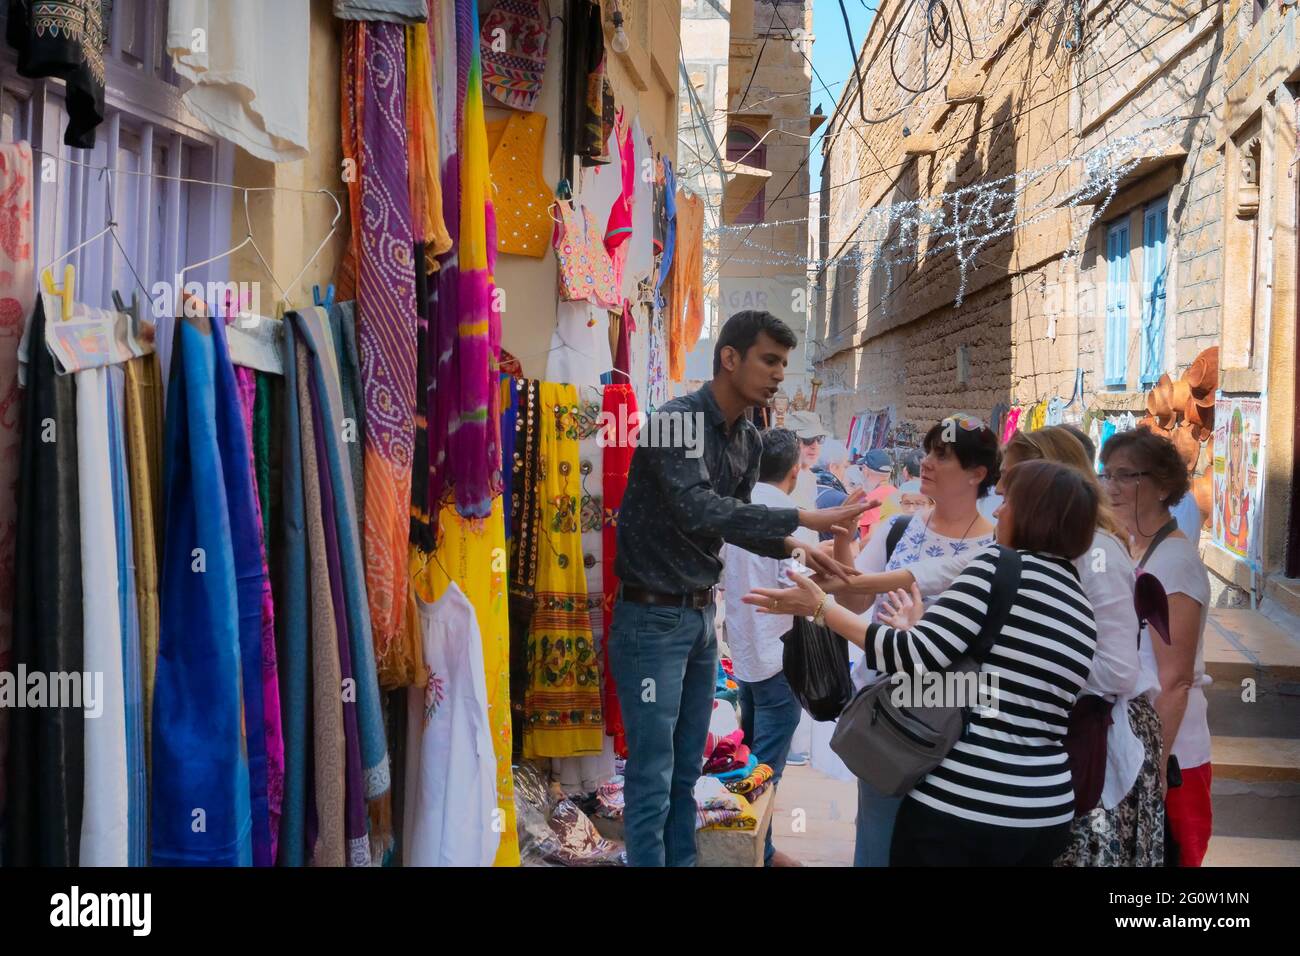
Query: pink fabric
[(619, 228), (247, 379), (1013, 424), (17, 299)]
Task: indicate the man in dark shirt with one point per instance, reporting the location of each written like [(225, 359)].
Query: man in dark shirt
[(683, 499)]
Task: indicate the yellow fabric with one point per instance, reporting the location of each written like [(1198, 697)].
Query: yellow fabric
[(1037, 416), (520, 195), (144, 437), (474, 553), (562, 704), (425, 175)]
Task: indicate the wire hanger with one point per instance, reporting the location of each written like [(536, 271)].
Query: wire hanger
[(334, 224), (248, 240), (67, 290)]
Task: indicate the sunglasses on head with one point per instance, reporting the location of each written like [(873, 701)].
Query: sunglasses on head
[(813, 441), (965, 422)]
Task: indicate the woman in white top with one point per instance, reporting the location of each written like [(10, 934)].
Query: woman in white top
[(932, 550), (1126, 828), (1144, 475)]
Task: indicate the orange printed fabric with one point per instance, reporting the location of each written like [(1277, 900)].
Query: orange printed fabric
[(685, 300)]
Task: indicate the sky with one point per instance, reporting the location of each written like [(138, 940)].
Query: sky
[(833, 59)]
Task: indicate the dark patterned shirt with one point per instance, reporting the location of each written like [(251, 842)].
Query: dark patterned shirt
[(678, 509)]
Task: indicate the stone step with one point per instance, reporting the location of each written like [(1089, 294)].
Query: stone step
[(1268, 809), (1240, 643), (1252, 851), (1264, 708), (1256, 759)]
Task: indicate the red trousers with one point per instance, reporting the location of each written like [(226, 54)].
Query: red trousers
[(1191, 815)]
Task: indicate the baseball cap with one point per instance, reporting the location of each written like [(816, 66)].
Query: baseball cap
[(805, 424), (877, 460)]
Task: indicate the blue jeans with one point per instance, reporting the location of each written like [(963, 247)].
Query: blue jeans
[(875, 825), (665, 665), (769, 716)]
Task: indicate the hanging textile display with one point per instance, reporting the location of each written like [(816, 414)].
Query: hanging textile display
[(16, 297), (384, 11), (685, 303), (209, 752), (450, 774), (619, 401), (47, 750), (64, 39), (583, 134), (104, 840), (563, 699), (464, 453), (386, 326), (471, 554), (315, 342), (513, 45), (429, 227), (246, 379), (522, 197)]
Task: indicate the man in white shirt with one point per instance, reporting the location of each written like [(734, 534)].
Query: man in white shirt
[(769, 711)]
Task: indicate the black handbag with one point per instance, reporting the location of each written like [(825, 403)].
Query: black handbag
[(816, 665)]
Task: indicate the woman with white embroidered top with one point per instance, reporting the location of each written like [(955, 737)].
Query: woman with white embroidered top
[(1144, 475), (929, 549), (1003, 795), (1124, 825)]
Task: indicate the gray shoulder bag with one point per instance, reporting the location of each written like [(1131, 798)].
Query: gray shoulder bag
[(893, 747)]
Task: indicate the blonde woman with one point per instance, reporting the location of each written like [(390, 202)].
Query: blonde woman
[(1126, 826)]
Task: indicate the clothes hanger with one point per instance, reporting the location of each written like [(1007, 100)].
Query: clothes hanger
[(328, 301), (334, 224), (67, 291), (248, 240)]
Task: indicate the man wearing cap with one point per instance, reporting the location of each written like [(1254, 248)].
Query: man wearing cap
[(807, 427), (681, 504), (876, 467)]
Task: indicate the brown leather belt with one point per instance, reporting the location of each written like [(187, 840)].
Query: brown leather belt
[(696, 599)]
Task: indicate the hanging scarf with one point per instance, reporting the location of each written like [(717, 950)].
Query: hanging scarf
[(343, 316), (422, 121), (526, 506), (386, 308), (326, 838), (270, 685), (562, 703), (137, 791), (17, 286), (352, 84), (464, 444), (144, 437), (509, 420), (314, 338), (619, 402), (292, 622), (210, 623), (422, 530)]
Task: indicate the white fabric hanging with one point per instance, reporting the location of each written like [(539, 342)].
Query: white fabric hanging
[(451, 814), (104, 817), (249, 61)]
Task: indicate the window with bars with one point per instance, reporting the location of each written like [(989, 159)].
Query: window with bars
[(147, 136)]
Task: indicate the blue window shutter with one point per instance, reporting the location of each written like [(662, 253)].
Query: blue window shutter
[(1117, 266), (1155, 271)]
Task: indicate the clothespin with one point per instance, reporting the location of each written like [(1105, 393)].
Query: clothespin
[(279, 310), (328, 302), (64, 292), (563, 190)]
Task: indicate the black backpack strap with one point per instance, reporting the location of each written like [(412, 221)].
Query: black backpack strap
[(895, 534), (1002, 594)]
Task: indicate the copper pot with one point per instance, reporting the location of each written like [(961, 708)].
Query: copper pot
[(1203, 489), (1187, 444), (1160, 401), (1182, 395)]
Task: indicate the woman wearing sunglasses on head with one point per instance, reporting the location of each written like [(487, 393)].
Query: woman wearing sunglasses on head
[(928, 549), (1003, 795), (1144, 474), (1123, 823)]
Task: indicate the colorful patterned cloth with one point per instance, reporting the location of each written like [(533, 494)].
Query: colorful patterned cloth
[(386, 321), (563, 701), (619, 401), (513, 45), (755, 781)]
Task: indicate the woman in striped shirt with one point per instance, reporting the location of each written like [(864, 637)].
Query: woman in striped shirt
[(1003, 795)]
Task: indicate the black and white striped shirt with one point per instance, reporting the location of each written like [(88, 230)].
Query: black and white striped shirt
[(1009, 768)]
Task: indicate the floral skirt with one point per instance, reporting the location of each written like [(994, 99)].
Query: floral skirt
[(1133, 833)]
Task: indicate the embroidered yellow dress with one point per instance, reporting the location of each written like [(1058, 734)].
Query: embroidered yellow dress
[(474, 553), (520, 194), (563, 701)]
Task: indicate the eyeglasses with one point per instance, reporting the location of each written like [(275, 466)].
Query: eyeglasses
[(813, 441), (1122, 477)]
